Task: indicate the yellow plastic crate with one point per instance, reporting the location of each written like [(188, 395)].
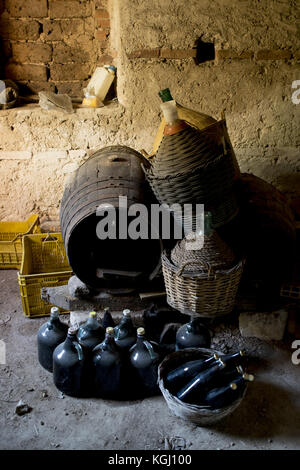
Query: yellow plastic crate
[(11, 234), (291, 290), (44, 264)]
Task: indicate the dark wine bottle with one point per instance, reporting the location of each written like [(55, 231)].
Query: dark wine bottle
[(125, 335), (107, 319), (193, 335), (49, 336), (198, 386), (224, 396), (107, 367), (234, 367), (68, 366), (233, 359), (177, 378), (90, 333)]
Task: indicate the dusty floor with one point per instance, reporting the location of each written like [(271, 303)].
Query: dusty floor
[(269, 417)]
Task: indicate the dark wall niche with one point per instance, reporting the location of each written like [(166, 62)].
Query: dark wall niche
[(205, 51)]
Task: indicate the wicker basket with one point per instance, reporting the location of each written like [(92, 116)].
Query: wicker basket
[(200, 415), (208, 293), (224, 212), (214, 254)]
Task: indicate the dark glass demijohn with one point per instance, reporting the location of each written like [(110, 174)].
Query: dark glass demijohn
[(107, 367), (144, 358), (194, 391), (180, 376), (125, 335), (68, 365), (50, 335), (193, 335), (107, 319), (90, 333)]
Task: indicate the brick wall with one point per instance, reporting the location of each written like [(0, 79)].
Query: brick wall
[(56, 44)]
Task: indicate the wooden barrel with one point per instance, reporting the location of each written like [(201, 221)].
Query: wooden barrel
[(264, 232), (109, 173)]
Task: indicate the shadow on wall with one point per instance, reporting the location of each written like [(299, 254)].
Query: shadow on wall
[(283, 173), (2, 55)]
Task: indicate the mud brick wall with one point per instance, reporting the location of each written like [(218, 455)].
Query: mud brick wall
[(153, 44), (56, 44)]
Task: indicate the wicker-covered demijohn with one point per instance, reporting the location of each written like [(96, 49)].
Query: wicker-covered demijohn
[(202, 282), (200, 415), (193, 166)]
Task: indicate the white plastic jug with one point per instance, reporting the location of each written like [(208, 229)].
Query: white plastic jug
[(100, 82)]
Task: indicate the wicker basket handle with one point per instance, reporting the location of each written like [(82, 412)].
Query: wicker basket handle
[(203, 263)]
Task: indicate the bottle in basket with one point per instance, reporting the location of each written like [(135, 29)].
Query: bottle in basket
[(107, 319), (198, 386), (177, 378), (180, 376), (68, 366), (90, 333), (193, 335), (125, 335), (50, 335), (107, 367), (220, 397), (144, 359), (233, 359)]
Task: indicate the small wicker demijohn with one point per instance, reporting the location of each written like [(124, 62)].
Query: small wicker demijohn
[(202, 282)]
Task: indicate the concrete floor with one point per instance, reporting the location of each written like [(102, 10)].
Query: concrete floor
[(268, 418)]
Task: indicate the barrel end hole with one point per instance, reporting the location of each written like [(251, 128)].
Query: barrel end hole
[(116, 159)]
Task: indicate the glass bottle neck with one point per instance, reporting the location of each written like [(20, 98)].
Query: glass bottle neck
[(92, 322), (126, 321), (193, 325), (54, 321), (69, 341), (208, 228), (238, 381), (109, 339), (140, 340)]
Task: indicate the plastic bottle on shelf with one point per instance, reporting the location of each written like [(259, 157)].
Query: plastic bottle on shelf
[(99, 85), (49, 336)]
